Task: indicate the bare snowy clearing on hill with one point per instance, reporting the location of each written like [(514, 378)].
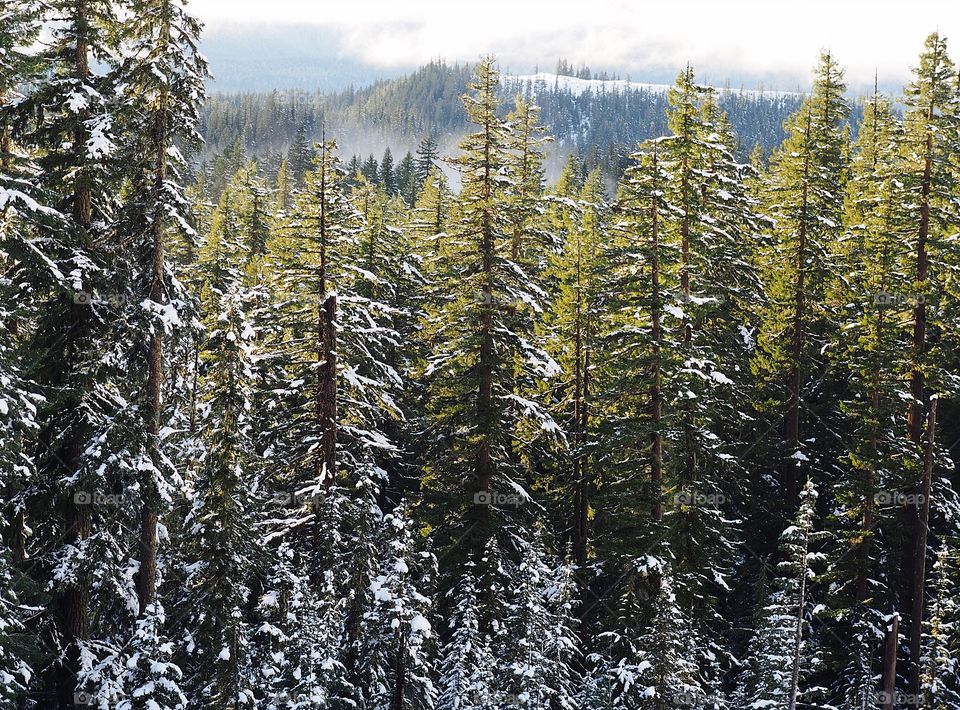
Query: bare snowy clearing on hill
[(577, 86)]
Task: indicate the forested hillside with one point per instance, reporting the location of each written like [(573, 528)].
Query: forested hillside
[(601, 119), (321, 437)]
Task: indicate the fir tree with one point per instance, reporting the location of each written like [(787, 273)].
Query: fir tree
[(163, 75), (371, 170), (484, 318), (781, 655), (466, 673), (581, 214), (871, 353), (931, 136), (940, 686), (401, 637), (220, 523), (300, 155), (804, 196), (387, 177), (406, 180), (428, 153), (80, 454)]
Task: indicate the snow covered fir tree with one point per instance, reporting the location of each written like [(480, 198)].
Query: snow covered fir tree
[(304, 429)]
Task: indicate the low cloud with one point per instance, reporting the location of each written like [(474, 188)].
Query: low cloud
[(773, 43)]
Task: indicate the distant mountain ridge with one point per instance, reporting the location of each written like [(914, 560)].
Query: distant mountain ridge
[(602, 119)]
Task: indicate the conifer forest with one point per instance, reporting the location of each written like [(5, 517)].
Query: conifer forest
[(670, 425)]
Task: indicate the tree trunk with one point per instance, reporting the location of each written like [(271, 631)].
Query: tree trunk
[(690, 456), (71, 605), (794, 377), (400, 673), (866, 523), (328, 391), (656, 394), (580, 475), (889, 678), (911, 511), (325, 398), (920, 555), (485, 366), (147, 574)]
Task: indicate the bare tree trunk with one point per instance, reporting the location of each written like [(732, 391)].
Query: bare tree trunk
[(328, 389), (400, 673), (325, 398), (920, 555), (889, 678)]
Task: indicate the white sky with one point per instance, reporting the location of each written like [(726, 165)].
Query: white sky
[(759, 38)]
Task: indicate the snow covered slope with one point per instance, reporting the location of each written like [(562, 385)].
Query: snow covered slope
[(578, 86)]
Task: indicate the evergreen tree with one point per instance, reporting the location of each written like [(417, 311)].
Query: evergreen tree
[(580, 215), (428, 153), (668, 672), (804, 197), (151, 676), (330, 349), (79, 453), (221, 522), (406, 180), (940, 686), (300, 156), (931, 138), (781, 655), (387, 177), (163, 74), (541, 633), (400, 636), (371, 170), (634, 376), (481, 329), (467, 664), (870, 352)]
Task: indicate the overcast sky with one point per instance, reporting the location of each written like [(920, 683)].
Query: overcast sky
[(739, 37)]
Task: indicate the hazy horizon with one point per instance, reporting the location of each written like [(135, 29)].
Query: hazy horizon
[(746, 43)]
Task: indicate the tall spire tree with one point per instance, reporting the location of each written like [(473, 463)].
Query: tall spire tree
[(804, 196), (483, 319), (75, 142), (164, 77), (932, 137)]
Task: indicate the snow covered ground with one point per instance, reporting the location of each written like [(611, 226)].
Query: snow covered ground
[(578, 86)]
